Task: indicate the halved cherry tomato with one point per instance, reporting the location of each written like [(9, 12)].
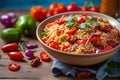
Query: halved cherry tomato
[(38, 12), (107, 48), (15, 55), (80, 19), (44, 56), (72, 7), (56, 8), (83, 74), (59, 21), (73, 31), (10, 47), (14, 66)]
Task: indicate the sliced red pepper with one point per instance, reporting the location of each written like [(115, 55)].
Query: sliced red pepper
[(64, 48), (55, 45), (109, 47), (59, 32), (14, 66), (83, 41), (83, 74), (44, 56), (10, 47), (73, 31)]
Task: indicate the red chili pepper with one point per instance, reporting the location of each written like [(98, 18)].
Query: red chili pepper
[(10, 47), (107, 48), (83, 74), (35, 62), (15, 55), (14, 66), (44, 56)]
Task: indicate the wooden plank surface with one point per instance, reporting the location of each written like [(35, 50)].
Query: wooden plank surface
[(26, 72)]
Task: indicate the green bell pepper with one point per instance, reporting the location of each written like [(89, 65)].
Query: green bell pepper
[(26, 24), (10, 35)]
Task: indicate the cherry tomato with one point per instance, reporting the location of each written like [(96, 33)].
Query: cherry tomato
[(44, 56), (94, 9), (83, 8), (14, 66), (80, 19), (15, 55), (72, 7), (38, 12), (56, 8), (10, 47)]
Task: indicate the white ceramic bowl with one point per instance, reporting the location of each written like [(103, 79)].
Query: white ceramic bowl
[(78, 59)]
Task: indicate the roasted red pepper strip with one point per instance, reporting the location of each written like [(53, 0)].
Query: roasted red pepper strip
[(10, 47), (83, 74), (35, 62), (44, 56), (107, 48), (14, 66)]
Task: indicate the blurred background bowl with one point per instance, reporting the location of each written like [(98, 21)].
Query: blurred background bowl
[(78, 59)]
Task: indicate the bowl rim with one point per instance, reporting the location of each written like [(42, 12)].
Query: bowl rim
[(74, 54)]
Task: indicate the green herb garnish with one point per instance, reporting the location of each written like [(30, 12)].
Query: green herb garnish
[(70, 18), (84, 25), (62, 39), (73, 24)]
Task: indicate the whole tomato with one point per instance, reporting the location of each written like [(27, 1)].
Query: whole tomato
[(56, 8), (84, 8), (94, 9), (15, 55), (38, 12), (72, 7)]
